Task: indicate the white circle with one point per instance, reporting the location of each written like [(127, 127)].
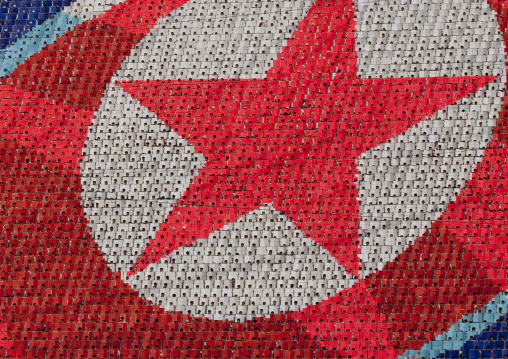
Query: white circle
[(135, 168)]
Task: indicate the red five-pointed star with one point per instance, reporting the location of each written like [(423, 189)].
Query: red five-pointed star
[(291, 138), (48, 103)]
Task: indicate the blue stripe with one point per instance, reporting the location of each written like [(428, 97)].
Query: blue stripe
[(490, 343), (19, 17), (35, 40), (451, 342)]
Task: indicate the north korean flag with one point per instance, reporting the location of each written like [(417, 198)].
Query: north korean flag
[(238, 179)]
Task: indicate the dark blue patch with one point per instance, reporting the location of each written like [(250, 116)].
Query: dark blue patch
[(19, 17), (491, 343)]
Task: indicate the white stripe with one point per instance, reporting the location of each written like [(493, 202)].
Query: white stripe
[(89, 9), (34, 41)]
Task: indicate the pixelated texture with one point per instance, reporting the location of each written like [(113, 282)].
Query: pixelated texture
[(253, 179)]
